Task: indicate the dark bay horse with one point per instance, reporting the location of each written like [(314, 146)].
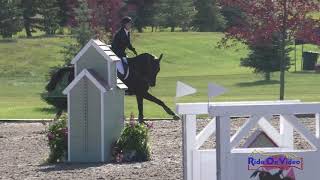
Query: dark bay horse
[(143, 71)]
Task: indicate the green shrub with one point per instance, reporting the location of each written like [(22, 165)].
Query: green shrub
[(133, 143), (58, 140), (264, 58)]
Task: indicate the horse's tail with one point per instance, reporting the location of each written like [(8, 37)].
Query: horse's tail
[(58, 75)]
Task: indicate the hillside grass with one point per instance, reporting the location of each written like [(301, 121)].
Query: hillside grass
[(189, 57)]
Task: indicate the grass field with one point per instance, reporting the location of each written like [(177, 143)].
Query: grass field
[(189, 57)]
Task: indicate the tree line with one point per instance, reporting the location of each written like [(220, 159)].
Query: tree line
[(51, 15), (31, 15)]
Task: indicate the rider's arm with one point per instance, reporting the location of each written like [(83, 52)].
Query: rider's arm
[(132, 48)]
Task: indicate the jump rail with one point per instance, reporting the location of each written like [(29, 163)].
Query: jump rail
[(215, 163)]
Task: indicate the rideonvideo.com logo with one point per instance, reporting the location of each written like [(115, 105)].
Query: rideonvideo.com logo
[(259, 160)]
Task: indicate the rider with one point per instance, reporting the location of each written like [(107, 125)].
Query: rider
[(120, 43)]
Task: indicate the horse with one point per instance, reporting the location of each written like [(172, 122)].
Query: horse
[(143, 70), (264, 175)]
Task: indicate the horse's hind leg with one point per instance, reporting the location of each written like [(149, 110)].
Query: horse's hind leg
[(58, 115), (151, 98), (140, 107)]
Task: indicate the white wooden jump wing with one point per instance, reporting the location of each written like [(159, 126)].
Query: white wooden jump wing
[(265, 125), (98, 56), (95, 104), (228, 163), (206, 133)]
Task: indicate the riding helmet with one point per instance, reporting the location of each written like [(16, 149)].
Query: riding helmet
[(126, 20)]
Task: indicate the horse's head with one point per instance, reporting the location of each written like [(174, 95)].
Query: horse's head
[(153, 69)]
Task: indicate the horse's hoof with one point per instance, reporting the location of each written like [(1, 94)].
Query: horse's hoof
[(141, 121), (176, 117)]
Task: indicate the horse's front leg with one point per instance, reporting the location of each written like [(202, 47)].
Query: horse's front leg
[(151, 98), (140, 107)]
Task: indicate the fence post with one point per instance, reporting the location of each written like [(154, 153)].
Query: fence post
[(223, 147), (189, 125), (286, 133)]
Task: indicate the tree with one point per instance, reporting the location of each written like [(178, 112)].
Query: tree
[(83, 31), (105, 15), (10, 14), (143, 13), (187, 14), (232, 15), (289, 19), (159, 15), (63, 12), (53, 14), (29, 11), (264, 58), (49, 10), (177, 13), (208, 17)]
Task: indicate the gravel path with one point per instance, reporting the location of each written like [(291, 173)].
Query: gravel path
[(23, 150)]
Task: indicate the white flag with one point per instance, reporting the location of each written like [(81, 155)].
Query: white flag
[(184, 89), (215, 90)]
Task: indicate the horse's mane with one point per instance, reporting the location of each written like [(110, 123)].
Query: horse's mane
[(141, 55)]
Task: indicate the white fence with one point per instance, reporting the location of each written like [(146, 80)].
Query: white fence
[(227, 162)]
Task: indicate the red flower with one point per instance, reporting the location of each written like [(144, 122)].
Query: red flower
[(132, 121), (65, 131), (132, 124), (50, 136), (119, 158), (150, 125)]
